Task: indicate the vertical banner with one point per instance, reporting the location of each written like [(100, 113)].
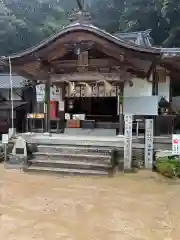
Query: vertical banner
[(149, 135), (128, 142), (176, 144)]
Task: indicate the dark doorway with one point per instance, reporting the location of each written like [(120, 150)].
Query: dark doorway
[(95, 108)]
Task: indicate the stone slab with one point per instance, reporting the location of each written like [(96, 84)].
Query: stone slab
[(91, 132), (13, 166)]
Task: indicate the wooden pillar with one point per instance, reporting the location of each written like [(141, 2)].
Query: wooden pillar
[(154, 82), (47, 105), (155, 93), (121, 117), (170, 94), (61, 112)]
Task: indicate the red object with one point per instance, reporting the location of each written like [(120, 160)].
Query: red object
[(53, 109), (175, 141)]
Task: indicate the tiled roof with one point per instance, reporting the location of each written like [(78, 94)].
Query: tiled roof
[(18, 81), (144, 39), (141, 38), (6, 105), (90, 29), (170, 52)]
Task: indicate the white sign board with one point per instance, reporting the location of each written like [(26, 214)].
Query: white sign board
[(176, 144), (55, 93), (5, 138), (149, 133), (61, 105), (67, 116), (79, 116), (145, 105), (128, 142)]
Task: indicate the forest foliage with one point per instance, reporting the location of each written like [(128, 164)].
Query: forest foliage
[(24, 23)]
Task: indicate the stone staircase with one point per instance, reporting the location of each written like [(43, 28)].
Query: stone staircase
[(72, 159)]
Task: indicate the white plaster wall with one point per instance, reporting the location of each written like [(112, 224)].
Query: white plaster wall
[(163, 89), (141, 87), (5, 94)]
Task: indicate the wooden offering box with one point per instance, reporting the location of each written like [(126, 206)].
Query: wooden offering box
[(73, 123)]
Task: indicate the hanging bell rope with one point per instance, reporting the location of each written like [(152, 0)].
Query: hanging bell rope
[(88, 89), (108, 87)]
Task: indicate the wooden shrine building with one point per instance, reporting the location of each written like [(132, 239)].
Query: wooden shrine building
[(93, 70)]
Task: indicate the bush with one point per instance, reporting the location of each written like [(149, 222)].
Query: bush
[(168, 167)]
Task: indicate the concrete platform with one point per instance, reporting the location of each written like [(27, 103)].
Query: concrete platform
[(83, 140)]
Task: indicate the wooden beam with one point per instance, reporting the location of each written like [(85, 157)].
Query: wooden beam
[(102, 62), (57, 52), (83, 59), (123, 58), (85, 76)]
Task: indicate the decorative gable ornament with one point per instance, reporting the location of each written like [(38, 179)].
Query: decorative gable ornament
[(107, 86), (87, 89), (71, 89)]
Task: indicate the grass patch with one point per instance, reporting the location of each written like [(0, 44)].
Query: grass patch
[(168, 167)]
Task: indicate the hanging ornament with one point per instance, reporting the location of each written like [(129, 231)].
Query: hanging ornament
[(71, 87), (107, 86), (87, 89)]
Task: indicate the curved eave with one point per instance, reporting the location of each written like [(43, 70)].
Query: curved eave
[(171, 59), (89, 29)]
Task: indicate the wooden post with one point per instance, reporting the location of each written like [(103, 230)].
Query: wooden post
[(121, 118), (170, 94), (47, 105), (128, 142), (155, 93), (148, 153), (61, 111), (154, 82)]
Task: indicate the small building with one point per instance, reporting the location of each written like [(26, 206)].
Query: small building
[(93, 72), (19, 105)]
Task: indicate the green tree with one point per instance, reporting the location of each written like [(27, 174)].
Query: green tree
[(142, 15), (107, 13), (9, 25), (171, 12), (24, 23), (32, 21)]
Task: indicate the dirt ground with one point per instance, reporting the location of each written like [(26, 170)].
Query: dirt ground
[(128, 207)]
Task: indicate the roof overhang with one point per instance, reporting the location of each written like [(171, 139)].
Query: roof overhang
[(55, 47)]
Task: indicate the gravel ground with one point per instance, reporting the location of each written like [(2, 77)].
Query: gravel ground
[(129, 207)]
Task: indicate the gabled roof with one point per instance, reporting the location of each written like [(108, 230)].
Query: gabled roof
[(141, 38), (17, 81), (89, 28), (170, 52), (7, 105), (163, 103), (144, 39)]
